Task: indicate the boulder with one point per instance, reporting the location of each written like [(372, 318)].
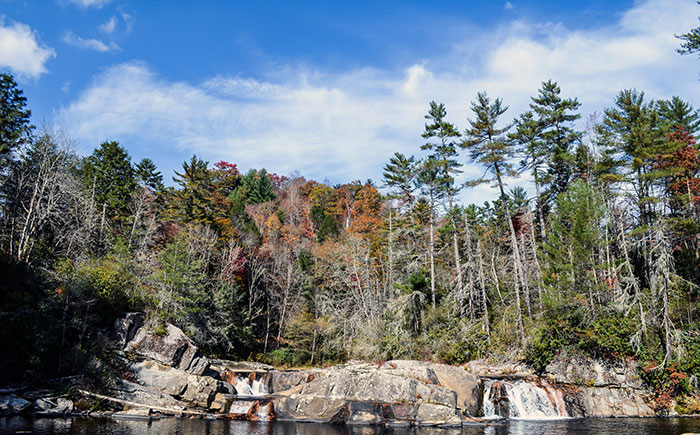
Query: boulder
[(13, 405), (196, 390), (430, 414), (126, 327), (52, 406), (221, 402), (465, 384), (137, 393), (200, 391), (174, 349)]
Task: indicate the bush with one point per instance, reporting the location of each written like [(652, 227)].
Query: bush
[(285, 357), (609, 337), (666, 383), (556, 333)]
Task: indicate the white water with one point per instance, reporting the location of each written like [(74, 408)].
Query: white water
[(252, 409), (526, 400), (257, 388)]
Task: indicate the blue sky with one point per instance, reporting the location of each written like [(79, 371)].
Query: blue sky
[(328, 89)]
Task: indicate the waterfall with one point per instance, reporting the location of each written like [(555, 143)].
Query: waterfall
[(252, 386), (523, 400)]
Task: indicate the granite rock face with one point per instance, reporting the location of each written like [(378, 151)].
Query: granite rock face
[(173, 348), (409, 392), (170, 387), (594, 373)]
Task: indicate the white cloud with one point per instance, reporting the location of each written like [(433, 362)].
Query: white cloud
[(108, 26), (345, 126), (71, 38), (508, 6), (20, 50), (90, 3)]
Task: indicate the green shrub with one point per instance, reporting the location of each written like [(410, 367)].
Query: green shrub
[(555, 334), (608, 337)]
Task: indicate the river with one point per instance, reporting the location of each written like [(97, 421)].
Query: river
[(603, 426)]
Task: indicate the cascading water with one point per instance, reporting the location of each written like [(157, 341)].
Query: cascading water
[(523, 400), (252, 386)]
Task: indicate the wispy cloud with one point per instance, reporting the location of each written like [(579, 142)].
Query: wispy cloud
[(108, 26), (71, 38), (128, 22), (90, 3), (508, 6), (343, 126), (21, 51)]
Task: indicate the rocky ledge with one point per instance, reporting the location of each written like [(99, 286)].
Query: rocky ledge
[(164, 373)]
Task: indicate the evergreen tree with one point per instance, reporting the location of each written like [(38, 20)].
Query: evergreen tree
[(679, 114), (108, 173), (444, 155), (634, 131), (555, 117), (191, 203), (148, 175), (535, 157), (431, 185), (15, 128), (399, 175), (573, 244), (488, 145)]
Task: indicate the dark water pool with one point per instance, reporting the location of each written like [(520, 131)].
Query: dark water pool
[(623, 426)]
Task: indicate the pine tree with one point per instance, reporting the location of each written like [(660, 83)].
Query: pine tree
[(531, 147), (15, 128), (679, 114), (191, 203), (444, 154), (431, 186), (555, 117), (573, 243), (148, 175), (108, 173), (489, 146), (634, 131)]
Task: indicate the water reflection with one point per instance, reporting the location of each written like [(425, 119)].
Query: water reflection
[(625, 426)]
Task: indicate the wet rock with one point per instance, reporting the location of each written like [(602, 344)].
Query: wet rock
[(134, 414), (13, 405), (429, 414), (51, 406), (221, 402)]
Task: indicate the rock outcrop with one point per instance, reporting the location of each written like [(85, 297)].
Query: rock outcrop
[(409, 392), (173, 348), (164, 370)]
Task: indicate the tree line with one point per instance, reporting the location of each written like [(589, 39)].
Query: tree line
[(602, 260)]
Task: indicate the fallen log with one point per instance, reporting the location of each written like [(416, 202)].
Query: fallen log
[(141, 405)]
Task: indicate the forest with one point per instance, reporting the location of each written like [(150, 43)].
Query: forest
[(602, 260)]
